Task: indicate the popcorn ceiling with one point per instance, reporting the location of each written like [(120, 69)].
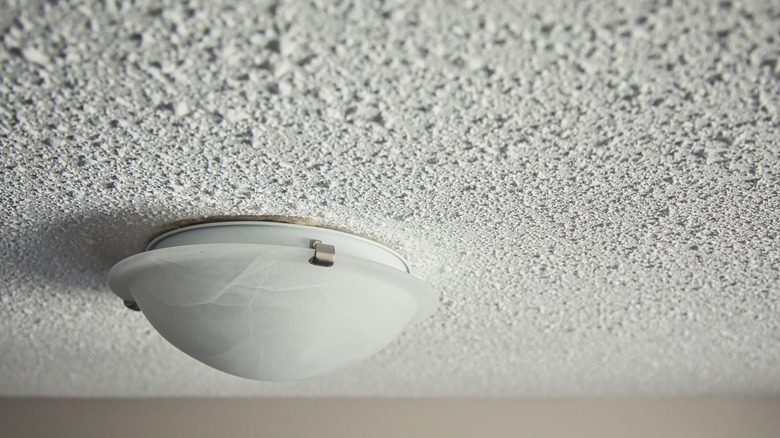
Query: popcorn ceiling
[(592, 187)]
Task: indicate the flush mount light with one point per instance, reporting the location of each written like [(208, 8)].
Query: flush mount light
[(272, 301)]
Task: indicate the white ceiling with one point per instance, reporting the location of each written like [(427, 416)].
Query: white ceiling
[(591, 187)]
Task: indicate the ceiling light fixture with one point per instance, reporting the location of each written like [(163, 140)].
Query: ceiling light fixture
[(272, 301)]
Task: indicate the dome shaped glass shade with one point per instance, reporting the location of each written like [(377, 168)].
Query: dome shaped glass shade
[(263, 311)]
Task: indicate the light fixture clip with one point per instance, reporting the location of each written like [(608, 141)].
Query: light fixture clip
[(324, 255)]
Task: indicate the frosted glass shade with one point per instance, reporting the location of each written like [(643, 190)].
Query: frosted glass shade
[(263, 312)]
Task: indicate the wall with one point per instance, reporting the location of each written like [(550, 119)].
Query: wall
[(750, 418)]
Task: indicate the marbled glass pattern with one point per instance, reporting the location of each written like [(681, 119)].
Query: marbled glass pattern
[(263, 312)]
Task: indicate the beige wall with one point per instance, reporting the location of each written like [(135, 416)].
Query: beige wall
[(752, 418)]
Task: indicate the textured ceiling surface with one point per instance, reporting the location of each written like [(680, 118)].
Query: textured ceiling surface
[(591, 187)]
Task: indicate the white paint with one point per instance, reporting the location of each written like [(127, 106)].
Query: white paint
[(592, 188)]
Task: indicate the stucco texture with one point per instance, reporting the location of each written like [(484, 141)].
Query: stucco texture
[(591, 187)]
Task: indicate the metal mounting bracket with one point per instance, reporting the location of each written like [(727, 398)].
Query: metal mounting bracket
[(324, 255)]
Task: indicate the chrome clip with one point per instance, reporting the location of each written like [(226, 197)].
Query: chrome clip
[(324, 255)]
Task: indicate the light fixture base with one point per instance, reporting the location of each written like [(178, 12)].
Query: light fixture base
[(282, 234)]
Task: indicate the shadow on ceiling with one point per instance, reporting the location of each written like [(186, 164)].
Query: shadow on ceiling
[(78, 251)]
